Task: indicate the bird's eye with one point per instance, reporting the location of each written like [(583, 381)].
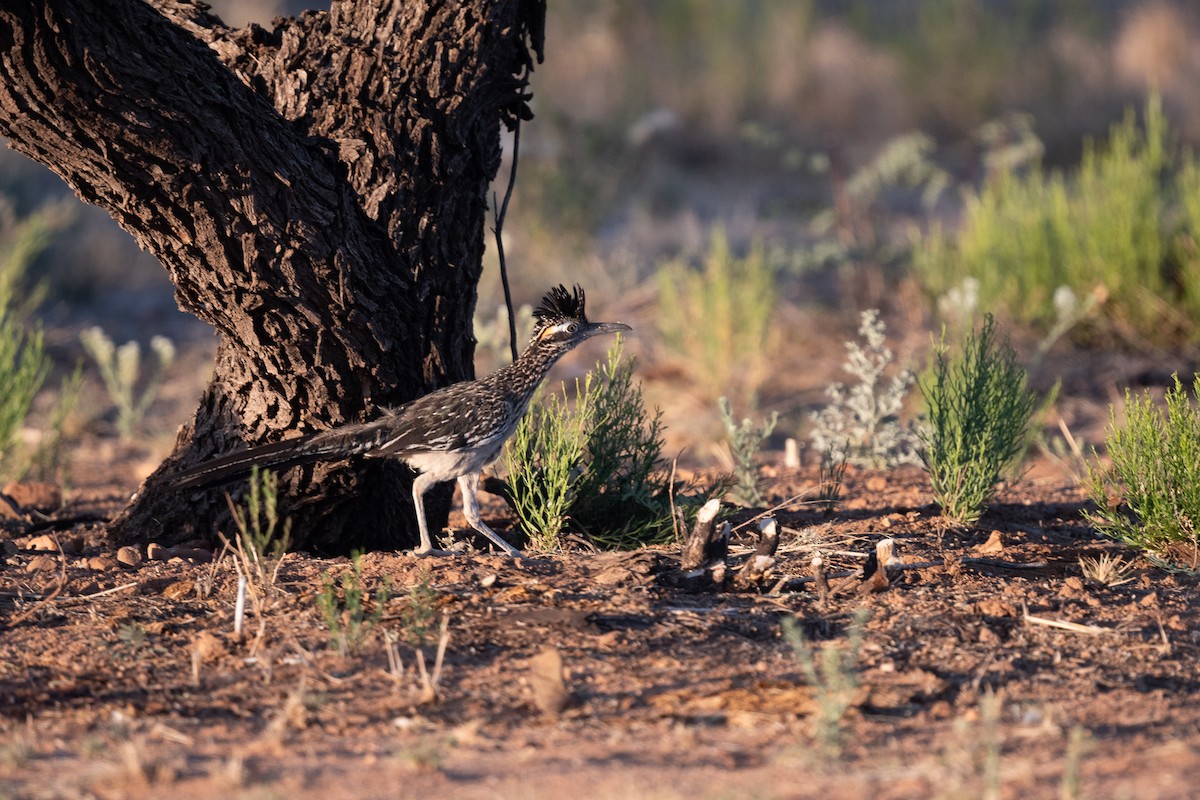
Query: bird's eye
[(574, 326)]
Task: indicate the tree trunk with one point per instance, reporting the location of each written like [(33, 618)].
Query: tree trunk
[(318, 193)]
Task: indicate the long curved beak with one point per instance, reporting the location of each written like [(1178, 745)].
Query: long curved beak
[(598, 328)]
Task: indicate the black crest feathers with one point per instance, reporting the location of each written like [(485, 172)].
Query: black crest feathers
[(559, 304)]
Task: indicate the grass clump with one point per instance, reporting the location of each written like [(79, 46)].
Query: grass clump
[(718, 320), (263, 538), (978, 408), (344, 607), (593, 467), (1117, 229), (120, 369), (861, 424), (1156, 472), (745, 440), (23, 370)]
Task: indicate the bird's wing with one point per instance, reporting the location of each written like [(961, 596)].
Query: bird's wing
[(446, 420)]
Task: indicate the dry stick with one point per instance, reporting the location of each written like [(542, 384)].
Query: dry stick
[(1073, 627), (758, 565), (501, 213), (699, 547), (769, 511), (239, 610)]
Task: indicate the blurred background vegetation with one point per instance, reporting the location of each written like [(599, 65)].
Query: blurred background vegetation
[(761, 171)]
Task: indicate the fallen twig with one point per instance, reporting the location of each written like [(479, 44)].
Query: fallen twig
[(1073, 627)]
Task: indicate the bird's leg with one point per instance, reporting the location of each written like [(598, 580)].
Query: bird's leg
[(421, 485), (469, 484)]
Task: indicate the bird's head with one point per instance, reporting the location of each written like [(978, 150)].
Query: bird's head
[(560, 320)]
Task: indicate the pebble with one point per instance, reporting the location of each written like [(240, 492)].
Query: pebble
[(102, 563), (156, 552), (45, 543), (71, 545), (129, 556), (41, 564)]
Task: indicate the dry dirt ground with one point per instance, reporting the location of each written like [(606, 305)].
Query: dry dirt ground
[(128, 681)]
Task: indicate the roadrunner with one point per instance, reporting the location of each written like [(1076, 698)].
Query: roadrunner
[(449, 434)]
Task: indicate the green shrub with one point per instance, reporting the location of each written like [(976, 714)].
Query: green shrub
[(718, 320), (1108, 229), (1155, 469), (978, 411), (594, 467)]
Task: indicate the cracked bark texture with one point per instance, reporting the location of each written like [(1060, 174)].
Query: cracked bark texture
[(317, 192)]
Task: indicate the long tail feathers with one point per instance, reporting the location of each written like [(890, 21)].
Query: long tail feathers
[(276, 455)]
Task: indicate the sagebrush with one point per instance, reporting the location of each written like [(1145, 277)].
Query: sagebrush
[(591, 465), (978, 409), (861, 425), (1150, 495)]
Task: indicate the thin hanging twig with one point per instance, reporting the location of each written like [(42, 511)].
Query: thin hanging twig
[(501, 213)]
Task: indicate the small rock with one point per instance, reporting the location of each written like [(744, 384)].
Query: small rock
[(36, 495), (72, 545), (102, 563), (179, 590), (156, 552), (129, 556), (44, 544), (992, 607), (1074, 582), (1150, 600), (988, 636), (994, 544), (9, 548), (546, 679), (41, 564), (192, 555)]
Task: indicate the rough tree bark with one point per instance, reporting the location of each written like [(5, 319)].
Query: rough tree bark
[(318, 193)]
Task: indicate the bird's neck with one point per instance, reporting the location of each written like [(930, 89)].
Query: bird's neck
[(522, 377)]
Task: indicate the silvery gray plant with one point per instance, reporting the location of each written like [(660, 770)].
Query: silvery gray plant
[(861, 424)]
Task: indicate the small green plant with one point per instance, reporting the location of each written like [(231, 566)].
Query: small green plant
[(23, 369), (120, 369), (861, 424), (719, 320), (1156, 470), (419, 618), (1106, 570), (263, 538), (745, 440), (978, 410), (593, 467), (344, 607), (833, 675)]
